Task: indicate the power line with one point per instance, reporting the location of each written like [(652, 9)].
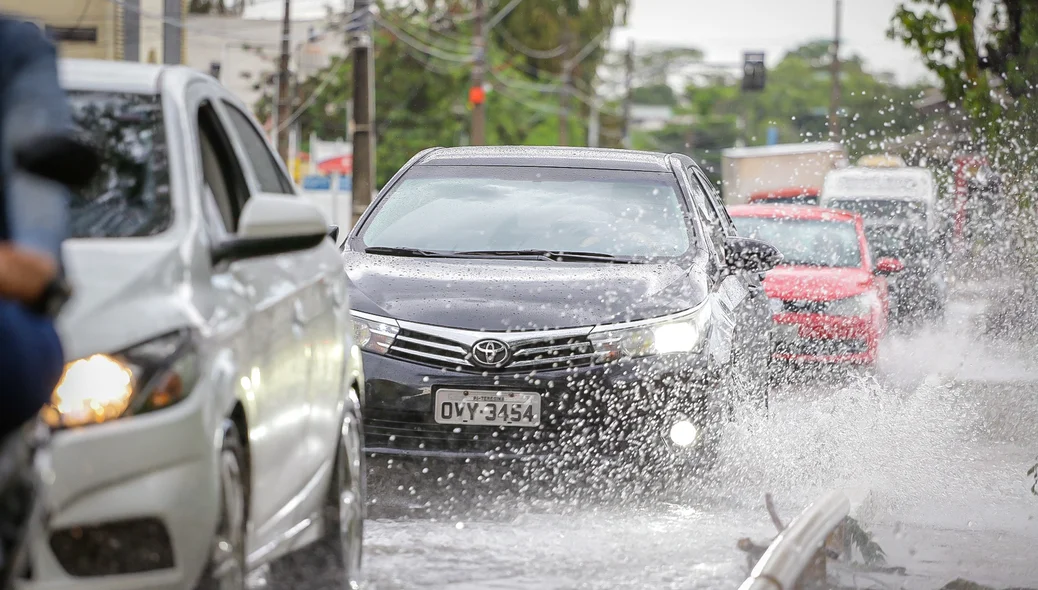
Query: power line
[(529, 51), (194, 29), (419, 45)]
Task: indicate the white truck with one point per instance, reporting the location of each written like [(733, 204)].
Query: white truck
[(750, 173)]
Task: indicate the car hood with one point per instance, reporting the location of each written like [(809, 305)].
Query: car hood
[(809, 283), (502, 294), (124, 292)]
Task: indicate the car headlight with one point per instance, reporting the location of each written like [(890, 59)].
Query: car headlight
[(102, 387), (859, 305), (678, 333), (372, 333)]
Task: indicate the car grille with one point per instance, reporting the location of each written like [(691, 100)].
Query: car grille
[(793, 306), (532, 355), (823, 347)]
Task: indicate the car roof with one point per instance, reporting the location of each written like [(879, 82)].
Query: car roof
[(98, 75), (549, 157), (791, 191), (805, 212)]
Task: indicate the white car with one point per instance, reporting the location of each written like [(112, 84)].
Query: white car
[(208, 421)]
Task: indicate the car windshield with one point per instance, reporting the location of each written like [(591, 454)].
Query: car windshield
[(806, 242), (474, 208), (881, 208), (130, 196), (897, 241)]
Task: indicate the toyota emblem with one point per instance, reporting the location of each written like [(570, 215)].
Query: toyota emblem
[(490, 353)]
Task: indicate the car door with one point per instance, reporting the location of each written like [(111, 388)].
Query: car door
[(750, 304), (319, 311), (270, 350)]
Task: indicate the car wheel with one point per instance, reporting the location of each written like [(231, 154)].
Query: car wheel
[(334, 561), (226, 567)]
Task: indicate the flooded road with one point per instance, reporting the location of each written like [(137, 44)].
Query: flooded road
[(933, 452)]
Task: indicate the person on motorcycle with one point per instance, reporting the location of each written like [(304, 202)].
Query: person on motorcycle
[(39, 159)]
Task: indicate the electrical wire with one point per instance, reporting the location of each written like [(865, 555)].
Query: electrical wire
[(194, 29), (416, 44), (325, 81), (529, 51)]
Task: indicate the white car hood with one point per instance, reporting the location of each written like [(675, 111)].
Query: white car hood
[(126, 291)]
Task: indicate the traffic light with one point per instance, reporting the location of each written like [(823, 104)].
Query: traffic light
[(753, 72)]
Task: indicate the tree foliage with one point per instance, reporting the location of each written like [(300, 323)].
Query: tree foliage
[(423, 76), (795, 102), (987, 62)]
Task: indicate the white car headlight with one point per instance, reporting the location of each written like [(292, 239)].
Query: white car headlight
[(102, 387), (372, 333), (683, 332), (859, 305)]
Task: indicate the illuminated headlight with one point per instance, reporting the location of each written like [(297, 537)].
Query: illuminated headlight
[(678, 333), (372, 333), (776, 305), (141, 379), (859, 305)]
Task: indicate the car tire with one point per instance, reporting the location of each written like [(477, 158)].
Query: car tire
[(226, 567), (334, 561)]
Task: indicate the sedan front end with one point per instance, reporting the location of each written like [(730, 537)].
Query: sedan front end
[(450, 393)]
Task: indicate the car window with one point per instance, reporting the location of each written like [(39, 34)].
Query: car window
[(130, 196), (714, 202), (264, 162), (221, 171), (476, 208), (709, 215), (807, 242)]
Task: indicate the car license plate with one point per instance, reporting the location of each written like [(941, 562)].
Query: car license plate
[(787, 332), (488, 408)]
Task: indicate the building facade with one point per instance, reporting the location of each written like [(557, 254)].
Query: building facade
[(151, 31)]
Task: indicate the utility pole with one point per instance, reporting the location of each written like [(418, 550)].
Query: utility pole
[(628, 86), (595, 124), (834, 99), (567, 81), (477, 132), (284, 96), (363, 108)]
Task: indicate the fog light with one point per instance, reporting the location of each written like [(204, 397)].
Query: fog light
[(683, 433)]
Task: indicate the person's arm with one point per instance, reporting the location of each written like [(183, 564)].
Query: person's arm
[(31, 363)]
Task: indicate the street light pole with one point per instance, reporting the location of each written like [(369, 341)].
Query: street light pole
[(477, 133), (284, 96), (834, 99), (363, 108)]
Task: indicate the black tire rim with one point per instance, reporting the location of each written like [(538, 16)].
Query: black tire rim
[(228, 557), (350, 500)]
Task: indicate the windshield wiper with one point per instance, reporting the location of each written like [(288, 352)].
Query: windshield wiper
[(415, 252), (556, 255)]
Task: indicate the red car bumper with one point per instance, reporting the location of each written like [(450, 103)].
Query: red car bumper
[(819, 338)]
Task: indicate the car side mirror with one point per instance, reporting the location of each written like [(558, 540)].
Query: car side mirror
[(273, 224), (751, 255), (889, 266)]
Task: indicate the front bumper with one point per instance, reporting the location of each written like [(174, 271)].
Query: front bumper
[(820, 338), (600, 410), (132, 505)]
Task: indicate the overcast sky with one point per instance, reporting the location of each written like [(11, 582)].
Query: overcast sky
[(726, 28)]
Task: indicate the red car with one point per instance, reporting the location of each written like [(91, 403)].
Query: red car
[(787, 196), (828, 297)]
